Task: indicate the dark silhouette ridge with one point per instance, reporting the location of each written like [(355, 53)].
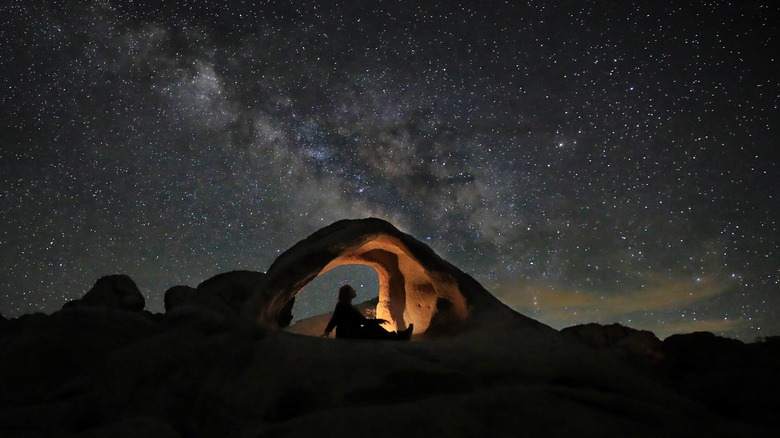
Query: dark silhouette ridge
[(224, 293), (731, 378), (112, 291), (638, 346)]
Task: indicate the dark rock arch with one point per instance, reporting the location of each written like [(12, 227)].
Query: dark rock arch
[(416, 285)]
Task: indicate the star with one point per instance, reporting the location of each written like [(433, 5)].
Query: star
[(567, 157)]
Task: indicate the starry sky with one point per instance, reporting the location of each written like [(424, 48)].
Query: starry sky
[(585, 161)]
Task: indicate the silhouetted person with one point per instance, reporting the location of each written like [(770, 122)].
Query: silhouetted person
[(351, 324)]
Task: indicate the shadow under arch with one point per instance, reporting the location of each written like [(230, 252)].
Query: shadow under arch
[(416, 286)]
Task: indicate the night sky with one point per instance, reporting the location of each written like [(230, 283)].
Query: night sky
[(585, 161)]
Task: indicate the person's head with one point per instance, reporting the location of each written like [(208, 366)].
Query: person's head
[(346, 293)]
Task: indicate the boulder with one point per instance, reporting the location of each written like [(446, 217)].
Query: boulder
[(229, 290), (636, 345), (178, 296), (703, 352), (113, 292), (224, 293)]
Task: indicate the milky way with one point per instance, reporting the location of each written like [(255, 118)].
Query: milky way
[(587, 162)]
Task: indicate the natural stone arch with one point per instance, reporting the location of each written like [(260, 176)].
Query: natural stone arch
[(416, 285)]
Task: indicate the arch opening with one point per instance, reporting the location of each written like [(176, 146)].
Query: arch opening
[(320, 295), (408, 293)]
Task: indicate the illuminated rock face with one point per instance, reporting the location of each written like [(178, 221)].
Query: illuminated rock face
[(416, 286)]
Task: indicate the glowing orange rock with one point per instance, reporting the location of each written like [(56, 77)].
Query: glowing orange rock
[(415, 285)]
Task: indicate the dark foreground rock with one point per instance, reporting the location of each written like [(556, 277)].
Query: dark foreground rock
[(730, 378), (96, 371)]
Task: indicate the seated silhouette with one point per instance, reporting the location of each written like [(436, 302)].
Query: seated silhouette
[(351, 324)]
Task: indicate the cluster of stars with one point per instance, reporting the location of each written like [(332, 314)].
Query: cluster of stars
[(583, 164)]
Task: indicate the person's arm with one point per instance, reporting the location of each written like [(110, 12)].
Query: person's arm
[(353, 315), (332, 323)]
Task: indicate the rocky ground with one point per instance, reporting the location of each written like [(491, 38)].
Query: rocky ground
[(103, 367)]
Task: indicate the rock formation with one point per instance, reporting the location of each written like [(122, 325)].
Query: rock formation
[(114, 292), (224, 293), (640, 346), (415, 284), (726, 375), (178, 297)]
